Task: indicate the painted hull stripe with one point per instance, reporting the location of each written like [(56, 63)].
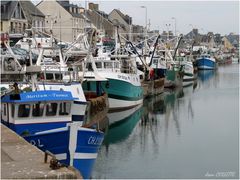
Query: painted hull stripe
[(52, 131), (41, 122), (85, 155), (62, 156), (113, 96)]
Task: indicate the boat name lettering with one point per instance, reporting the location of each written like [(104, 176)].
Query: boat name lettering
[(36, 143), (123, 77), (95, 140), (45, 95)]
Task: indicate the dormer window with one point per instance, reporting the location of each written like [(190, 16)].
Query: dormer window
[(3, 8)]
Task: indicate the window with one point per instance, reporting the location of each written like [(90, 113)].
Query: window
[(155, 61), (2, 8), (89, 67), (98, 64), (65, 108), (37, 109), (58, 76), (51, 109), (5, 110), (24, 110), (13, 110), (49, 76), (116, 65), (107, 65)]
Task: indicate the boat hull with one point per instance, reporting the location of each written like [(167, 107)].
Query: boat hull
[(173, 79), (122, 94), (153, 87), (78, 150), (206, 64)]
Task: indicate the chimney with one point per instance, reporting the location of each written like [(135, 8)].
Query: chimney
[(93, 6)]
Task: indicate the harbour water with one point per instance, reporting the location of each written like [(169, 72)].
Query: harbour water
[(188, 133)]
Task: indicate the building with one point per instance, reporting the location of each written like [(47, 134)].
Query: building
[(64, 19), (13, 18), (17, 16), (138, 33), (34, 16), (100, 20), (226, 44), (122, 20), (233, 39)]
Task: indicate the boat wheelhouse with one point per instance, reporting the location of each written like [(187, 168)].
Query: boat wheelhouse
[(36, 111)]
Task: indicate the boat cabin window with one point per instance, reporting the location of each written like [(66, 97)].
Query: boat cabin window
[(5, 110), (64, 108), (24, 110), (116, 65), (98, 64), (89, 67), (107, 64), (58, 76), (49, 76), (37, 109), (13, 110), (51, 109), (155, 61)]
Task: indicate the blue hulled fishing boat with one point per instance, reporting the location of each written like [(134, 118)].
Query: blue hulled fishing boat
[(206, 62), (44, 119)]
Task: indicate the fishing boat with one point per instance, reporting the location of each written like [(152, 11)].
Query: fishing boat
[(188, 77), (123, 86), (174, 76), (206, 62), (43, 117), (43, 113), (153, 84)]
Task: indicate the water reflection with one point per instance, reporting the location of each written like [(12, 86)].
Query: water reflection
[(176, 134), (208, 79), (122, 124), (205, 75)]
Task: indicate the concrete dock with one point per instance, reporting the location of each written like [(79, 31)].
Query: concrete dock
[(21, 160)]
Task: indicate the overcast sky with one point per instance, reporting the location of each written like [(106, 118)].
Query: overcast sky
[(217, 16)]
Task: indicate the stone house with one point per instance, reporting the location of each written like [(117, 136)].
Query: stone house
[(13, 18), (34, 16), (64, 19), (17, 16), (100, 20)]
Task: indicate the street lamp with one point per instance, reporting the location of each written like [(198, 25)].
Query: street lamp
[(145, 16), (168, 25), (145, 29), (175, 26)]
